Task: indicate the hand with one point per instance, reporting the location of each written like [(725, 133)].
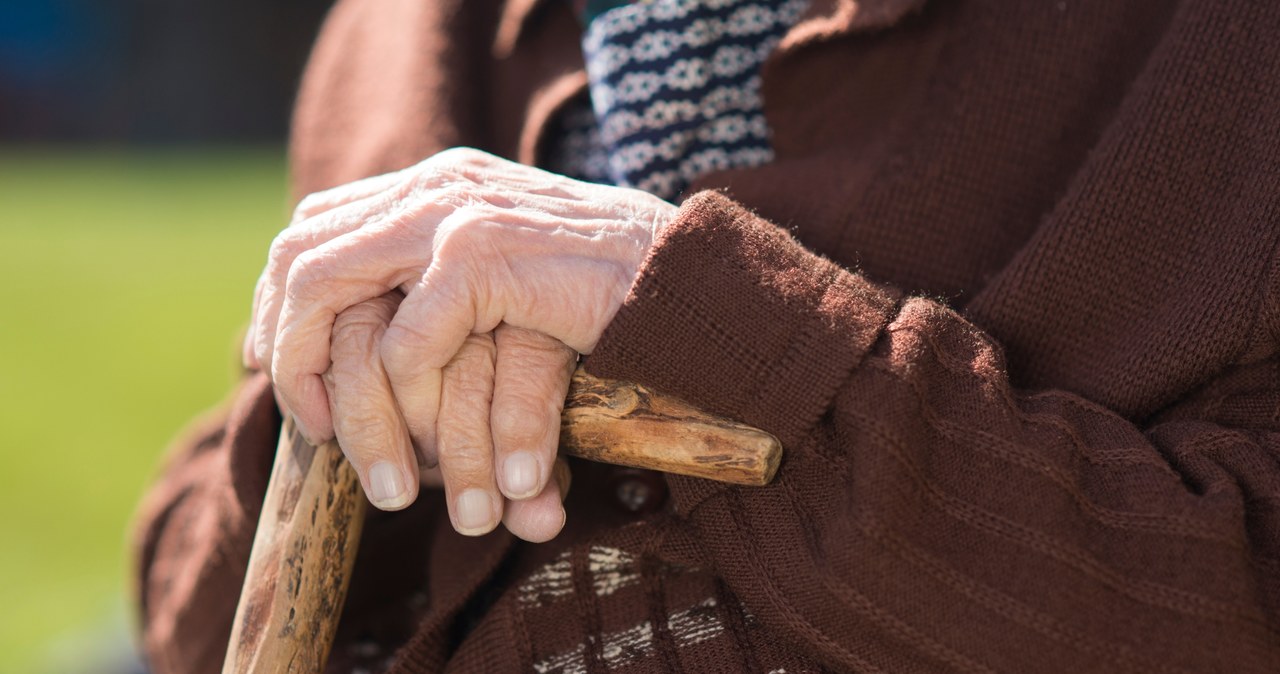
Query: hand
[(476, 243), (371, 432)]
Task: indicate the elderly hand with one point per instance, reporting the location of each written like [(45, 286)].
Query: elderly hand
[(369, 426), (508, 272)]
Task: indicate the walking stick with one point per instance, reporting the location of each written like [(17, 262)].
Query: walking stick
[(314, 508)]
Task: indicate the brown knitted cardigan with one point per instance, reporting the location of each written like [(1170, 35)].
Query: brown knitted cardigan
[(1008, 296)]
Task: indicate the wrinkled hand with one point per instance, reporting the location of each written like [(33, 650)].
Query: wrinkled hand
[(508, 272), (370, 430)]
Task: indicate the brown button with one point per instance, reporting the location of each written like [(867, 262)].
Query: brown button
[(639, 492)]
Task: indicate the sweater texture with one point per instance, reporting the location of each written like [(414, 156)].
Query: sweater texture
[(1008, 293)]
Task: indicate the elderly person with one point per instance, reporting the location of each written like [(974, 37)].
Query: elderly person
[(1002, 276)]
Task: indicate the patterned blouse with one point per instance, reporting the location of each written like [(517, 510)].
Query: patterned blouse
[(673, 91)]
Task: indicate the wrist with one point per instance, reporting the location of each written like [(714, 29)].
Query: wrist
[(733, 315)]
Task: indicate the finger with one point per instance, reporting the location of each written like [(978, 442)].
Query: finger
[(540, 518), (465, 446), (319, 202), (484, 248), (321, 283), (435, 318), (366, 419), (510, 262), (372, 203), (247, 355), (530, 383), (297, 240)]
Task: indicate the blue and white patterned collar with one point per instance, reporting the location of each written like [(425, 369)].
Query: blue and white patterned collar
[(675, 89)]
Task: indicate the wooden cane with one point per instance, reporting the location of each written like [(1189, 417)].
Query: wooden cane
[(314, 509)]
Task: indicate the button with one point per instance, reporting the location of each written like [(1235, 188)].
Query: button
[(639, 492)]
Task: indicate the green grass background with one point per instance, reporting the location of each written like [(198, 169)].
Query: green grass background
[(125, 278)]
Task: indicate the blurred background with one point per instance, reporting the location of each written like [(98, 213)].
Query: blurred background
[(142, 176)]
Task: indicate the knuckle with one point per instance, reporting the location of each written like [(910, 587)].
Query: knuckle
[(307, 268), (468, 388), (533, 349), (309, 205), (284, 247), (465, 460), (467, 237), (366, 431), (521, 340), (518, 419), (432, 190), (387, 303), (431, 178), (449, 235), (399, 348), (364, 317), (470, 372), (458, 195), (354, 321), (466, 401), (450, 167), (461, 158), (442, 187), (478, 350), (352, 340)]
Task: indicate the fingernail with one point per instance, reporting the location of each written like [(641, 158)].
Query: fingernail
[(520, 475), (474, 510), (386, 486)]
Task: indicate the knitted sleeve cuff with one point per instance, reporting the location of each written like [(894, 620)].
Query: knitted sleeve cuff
[(732, 314)]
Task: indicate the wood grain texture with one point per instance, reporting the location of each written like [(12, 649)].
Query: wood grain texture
[(629, 425), (301, 561), (313, 511)]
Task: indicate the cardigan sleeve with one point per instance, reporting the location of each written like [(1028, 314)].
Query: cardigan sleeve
[(929, 515)]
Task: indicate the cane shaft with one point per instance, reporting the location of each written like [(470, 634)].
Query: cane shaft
[(301, 561)]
